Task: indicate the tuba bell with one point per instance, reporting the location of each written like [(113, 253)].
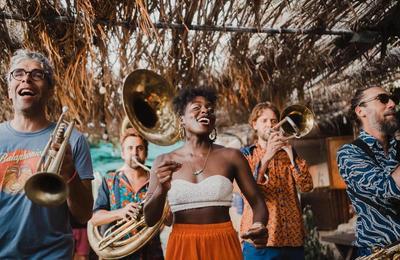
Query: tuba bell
[(147, 100)]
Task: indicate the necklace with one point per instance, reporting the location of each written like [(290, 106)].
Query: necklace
[(198, 172)]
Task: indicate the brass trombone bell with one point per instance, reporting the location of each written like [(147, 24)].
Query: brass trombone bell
[(296, 121), (147, 100)]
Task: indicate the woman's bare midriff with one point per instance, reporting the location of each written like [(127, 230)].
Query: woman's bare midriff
[(207, 215)]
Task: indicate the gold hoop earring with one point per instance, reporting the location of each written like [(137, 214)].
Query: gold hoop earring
[(213, 135), (182, 133)]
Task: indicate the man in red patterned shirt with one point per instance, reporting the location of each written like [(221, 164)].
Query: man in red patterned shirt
[(278, 171)]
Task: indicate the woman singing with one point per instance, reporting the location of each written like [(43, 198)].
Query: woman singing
[(197, 180)]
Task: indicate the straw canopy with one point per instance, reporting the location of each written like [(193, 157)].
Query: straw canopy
[(309, 51)]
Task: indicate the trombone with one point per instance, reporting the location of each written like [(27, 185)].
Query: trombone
[(296, 121), (47, 187)]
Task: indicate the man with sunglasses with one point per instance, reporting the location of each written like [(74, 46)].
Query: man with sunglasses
[(28, 230), (370, 169)]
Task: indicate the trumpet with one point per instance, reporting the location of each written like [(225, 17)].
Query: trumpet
[(47, 187)]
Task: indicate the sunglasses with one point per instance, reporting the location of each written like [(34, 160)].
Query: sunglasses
[(383, 98)]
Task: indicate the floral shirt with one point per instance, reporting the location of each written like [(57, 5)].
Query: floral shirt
[(115, 193), (375, 183), (285, 222)]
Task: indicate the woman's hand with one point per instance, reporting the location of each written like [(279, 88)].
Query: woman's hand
[(164, 173), (257, 235)]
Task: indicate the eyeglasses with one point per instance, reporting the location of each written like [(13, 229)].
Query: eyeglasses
[(383, 98), (36, 74)]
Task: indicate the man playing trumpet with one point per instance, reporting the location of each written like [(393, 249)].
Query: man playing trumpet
[(278, 171), (122, 191), (29, 230)]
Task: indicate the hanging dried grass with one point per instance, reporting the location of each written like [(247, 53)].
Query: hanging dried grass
[(95, 44)]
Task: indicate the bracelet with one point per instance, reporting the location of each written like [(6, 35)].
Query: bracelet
[(257, 225), (72, 177)]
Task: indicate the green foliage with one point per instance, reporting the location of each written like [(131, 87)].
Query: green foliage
[(313, 248)]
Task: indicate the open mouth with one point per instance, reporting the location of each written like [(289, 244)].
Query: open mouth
[(26, 92), (203, 120)]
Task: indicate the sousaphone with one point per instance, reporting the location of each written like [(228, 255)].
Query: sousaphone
[(147, 100)]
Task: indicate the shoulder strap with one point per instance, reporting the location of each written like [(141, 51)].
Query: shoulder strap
[(360, 143), (398, 150)]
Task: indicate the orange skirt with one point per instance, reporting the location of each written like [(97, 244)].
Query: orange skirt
[(203, 242)]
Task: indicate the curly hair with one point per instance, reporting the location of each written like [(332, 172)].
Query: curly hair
[(187, 95)]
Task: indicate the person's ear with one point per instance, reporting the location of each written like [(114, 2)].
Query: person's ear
[(360, 111), (9, 93), (253, 124)]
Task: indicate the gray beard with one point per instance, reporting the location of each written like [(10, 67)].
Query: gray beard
[(389, 127)]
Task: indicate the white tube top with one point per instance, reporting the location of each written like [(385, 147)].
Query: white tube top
[(215, 190)]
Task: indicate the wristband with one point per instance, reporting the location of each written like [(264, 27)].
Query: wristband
[(72, 177), (257, 225)]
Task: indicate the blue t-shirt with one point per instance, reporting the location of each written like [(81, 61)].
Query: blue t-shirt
[(28, 230)]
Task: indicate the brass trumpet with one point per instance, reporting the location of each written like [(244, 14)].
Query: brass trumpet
[(46, 187)]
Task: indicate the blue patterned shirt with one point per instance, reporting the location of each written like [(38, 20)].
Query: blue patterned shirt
[(375, 183)]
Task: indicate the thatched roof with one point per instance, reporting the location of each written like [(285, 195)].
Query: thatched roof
[(316, 52)]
